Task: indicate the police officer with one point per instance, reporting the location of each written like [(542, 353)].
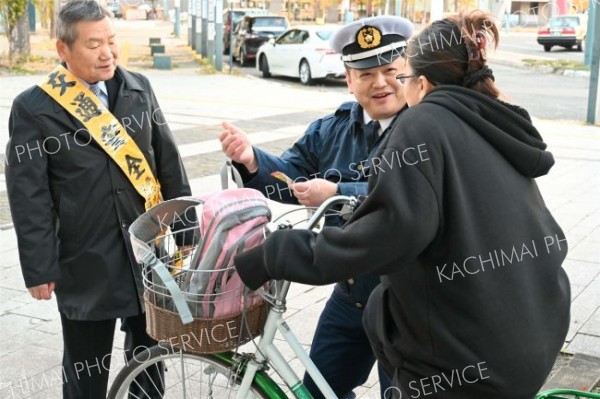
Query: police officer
[(332, 158)]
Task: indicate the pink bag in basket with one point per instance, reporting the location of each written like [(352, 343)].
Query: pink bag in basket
[(231, 222)]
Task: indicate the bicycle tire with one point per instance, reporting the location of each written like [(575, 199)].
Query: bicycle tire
[(214, 369)]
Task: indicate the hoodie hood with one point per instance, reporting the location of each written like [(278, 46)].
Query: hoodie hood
[(504, 126)]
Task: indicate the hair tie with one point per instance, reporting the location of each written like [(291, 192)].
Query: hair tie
[(479, 44), (473, 77), (480, 40)]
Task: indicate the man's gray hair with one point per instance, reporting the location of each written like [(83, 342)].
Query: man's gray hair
[(76, 11)]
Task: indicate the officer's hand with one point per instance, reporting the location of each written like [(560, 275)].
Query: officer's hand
[(42, 291), (314, 192), (235, 144)]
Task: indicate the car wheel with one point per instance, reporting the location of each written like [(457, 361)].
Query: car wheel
[(305, 75), (547, 48), (264, 66), (581, 45)]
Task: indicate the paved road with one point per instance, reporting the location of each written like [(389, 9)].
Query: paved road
[(545, 95), (525, 43)]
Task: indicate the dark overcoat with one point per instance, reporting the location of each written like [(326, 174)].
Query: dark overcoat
[(473, 301), (71, 204)]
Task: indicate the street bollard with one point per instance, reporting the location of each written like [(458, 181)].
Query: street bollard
[(157, 48)]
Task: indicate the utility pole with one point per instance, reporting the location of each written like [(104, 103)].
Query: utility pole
[(211, 32), (398, 8), (31, 16), (204, 29), (589, 39), (219, 35), (177, 27), (192, 24), (594, 60), (198, 38)]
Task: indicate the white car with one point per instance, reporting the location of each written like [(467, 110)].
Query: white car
[(301, 52)]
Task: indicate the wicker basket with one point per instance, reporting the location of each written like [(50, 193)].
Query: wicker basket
[(204, 335)]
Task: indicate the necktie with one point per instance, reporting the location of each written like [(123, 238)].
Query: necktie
[(96, 90), (371, 130)]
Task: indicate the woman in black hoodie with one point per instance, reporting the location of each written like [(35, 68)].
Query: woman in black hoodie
[(473, 301)]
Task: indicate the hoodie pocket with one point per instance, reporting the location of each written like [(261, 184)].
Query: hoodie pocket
[(378, 326)]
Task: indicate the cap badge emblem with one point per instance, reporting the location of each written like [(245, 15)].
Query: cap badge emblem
[(368, 37)]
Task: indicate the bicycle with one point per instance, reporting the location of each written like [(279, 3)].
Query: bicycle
[(227, 374), (186, 372)]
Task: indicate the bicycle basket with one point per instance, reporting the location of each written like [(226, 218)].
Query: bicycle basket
[(193, 296)]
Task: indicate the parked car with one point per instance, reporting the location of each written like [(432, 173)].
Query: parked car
[(232, 17), (115, 8), (565, 31), (252, 31), (301, 52)]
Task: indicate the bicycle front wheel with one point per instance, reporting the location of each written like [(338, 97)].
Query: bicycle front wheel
[(163, 372)]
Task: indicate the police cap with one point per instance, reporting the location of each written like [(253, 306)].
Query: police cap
[(372, 42)]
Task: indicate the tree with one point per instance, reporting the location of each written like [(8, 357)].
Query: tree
[(14, 17), (46, 11)]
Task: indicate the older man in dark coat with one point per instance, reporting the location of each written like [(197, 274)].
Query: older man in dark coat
[(71, 203)]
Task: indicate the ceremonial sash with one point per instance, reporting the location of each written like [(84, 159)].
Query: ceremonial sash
[(111, 136)]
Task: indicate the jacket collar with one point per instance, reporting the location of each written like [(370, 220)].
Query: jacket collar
[(356, 115), (123, 80), (129, 83)]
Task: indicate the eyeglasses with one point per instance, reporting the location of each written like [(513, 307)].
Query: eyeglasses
[(401, 79)]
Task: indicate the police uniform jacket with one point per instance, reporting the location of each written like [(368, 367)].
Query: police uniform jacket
[(470, 256), (72, 205), (334, 148)]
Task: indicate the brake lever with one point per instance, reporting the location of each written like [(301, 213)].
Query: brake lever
[(272, 227)]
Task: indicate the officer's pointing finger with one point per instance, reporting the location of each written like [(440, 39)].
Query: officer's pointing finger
[(223, 135)]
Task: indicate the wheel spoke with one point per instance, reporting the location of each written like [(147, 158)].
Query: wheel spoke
[(177, 375)]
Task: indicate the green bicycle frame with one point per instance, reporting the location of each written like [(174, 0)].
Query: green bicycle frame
[(261, 378), (572, 394)]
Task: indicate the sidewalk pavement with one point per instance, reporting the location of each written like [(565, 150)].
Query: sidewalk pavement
[(195, 105)]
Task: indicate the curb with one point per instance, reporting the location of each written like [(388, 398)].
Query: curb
[(543, 69), (509, 63)]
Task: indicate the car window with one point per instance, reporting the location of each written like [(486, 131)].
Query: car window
[(239, 14), (287, 37), (564, 22), (324, 34), (269, 22), (293, 37)]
